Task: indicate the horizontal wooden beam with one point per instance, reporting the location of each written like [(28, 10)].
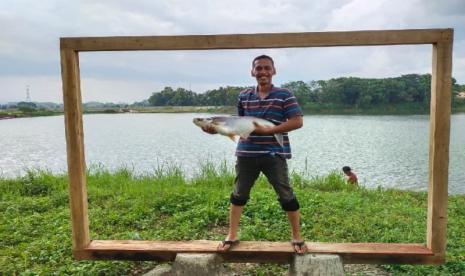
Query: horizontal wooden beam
[(261, 40), (258, 251)]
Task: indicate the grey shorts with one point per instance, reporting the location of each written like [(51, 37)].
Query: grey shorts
[(276, 171)]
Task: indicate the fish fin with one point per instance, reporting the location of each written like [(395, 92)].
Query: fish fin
[(232, 137), (279, 138), (245, 135)]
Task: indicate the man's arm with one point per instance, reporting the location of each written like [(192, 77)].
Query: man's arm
[(292, 123)]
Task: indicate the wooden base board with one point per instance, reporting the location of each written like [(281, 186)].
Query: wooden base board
[(258, 251)]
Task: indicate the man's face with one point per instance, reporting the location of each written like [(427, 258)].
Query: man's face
[(263, 70)]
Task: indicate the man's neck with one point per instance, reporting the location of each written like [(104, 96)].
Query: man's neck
[(264, 89)]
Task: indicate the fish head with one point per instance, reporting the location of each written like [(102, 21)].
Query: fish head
[(202, 122)]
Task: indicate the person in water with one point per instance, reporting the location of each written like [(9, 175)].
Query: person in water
[(350, 175), (261, 153)]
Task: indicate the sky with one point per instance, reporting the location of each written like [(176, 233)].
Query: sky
[(30, 33)]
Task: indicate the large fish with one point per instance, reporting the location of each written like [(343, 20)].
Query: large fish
[(232, 126)]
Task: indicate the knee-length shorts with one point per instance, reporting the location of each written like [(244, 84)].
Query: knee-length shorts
[(274, 167)]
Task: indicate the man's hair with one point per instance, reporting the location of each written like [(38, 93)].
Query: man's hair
[(262, 57), (346, 169)]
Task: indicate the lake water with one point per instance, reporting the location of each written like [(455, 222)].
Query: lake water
[(388, 151)]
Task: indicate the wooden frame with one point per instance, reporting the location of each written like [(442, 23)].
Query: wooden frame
[(431, 253)]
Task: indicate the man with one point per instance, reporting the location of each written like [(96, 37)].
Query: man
[(350, 175), (260, 152)]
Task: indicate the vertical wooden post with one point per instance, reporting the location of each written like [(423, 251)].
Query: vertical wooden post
[(75, 149), (439, 147)]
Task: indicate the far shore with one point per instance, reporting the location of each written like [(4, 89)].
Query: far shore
[(383, 110)]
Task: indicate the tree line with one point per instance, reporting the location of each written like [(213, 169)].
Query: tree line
[(344, 91)]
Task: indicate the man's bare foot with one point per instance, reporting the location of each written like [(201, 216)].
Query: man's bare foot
[(299, 246), (226, 245)]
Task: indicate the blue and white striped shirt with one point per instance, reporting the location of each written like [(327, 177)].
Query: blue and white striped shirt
[(277, 107)]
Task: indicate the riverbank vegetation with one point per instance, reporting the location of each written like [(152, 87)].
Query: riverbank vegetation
[(29, 109), (407, 94), (35, 231)]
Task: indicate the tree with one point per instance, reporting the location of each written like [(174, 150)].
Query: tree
[(347, 91), (300, 90), (222, 96), (26, 107), (160, 98), (182, 97)]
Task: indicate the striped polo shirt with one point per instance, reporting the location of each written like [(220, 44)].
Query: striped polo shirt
[(277, 107)]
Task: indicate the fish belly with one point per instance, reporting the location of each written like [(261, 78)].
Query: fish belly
[(243, 127)]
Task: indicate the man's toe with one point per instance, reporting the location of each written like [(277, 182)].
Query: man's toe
[(223, 246)]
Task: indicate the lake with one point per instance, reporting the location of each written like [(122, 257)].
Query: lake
[(387, 151)]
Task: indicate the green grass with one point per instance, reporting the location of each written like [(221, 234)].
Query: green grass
[(35, 230), (381, 109), (16, 113)]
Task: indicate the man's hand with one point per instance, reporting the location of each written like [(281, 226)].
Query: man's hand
[(263, 130), (209, 130)]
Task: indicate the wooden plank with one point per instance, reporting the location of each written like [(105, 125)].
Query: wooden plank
[(441, 83), (257, 251), (261, 40), (75, 148)]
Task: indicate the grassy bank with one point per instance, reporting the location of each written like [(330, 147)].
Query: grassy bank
[(19, 114), (35, 226), (339, 109), (398, 109), (309, 109)]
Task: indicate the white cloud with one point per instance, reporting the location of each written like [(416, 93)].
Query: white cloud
[(29, 42), (371, 15)]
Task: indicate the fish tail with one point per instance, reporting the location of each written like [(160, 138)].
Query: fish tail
[(280, 139)]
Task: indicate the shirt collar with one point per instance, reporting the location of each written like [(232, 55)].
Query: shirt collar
[(256, 89)]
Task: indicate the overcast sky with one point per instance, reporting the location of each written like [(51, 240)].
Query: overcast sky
[(30, 32)]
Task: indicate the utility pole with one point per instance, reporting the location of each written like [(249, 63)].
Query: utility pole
[(28, 94)]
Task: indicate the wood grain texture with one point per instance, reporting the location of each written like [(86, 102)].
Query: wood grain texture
[(441, 82), (75, 148), (258, 251), (259, 40)]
